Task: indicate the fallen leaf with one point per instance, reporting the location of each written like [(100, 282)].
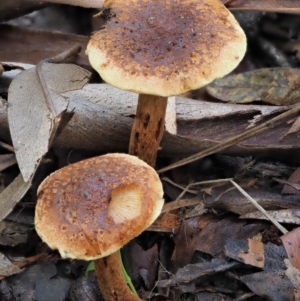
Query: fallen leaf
[(213, 237), (288, 216), (27, 45), (30, 119), (270, 285), (7, 268), (293, 274), (24, 284), (194, 272), (166, 222), (291, 242), (277, 86), (268, 257), (269, 199), (255, 254), (288, 183), (12, 194), (294, 129), (294, 178), (13, 234)]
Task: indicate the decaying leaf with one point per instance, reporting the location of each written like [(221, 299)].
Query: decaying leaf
[(30, 118), (268, 257), (294, 178), (277, 86), (270, 285), (7, 268), (166, 222), (294, 129), (35, 44), (255, 255), (293, 274), (291, 242), (213, 237), (186, 277), (289, 216), (12, 194), (267, 198), (13, 234)]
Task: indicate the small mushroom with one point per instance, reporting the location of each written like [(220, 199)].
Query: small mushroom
[(163, 48), (92, 208)]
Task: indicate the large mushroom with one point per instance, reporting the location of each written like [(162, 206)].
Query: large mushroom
[(159, 49), (163, 48)]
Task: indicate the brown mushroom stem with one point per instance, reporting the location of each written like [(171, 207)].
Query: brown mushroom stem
[(111, 280), (148, 127), (146, 134)]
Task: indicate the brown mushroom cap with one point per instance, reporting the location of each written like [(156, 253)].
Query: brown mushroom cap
[(166, 47), (90, 209)]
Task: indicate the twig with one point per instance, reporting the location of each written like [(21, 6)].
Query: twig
[(178, 186), (260, 208), (238, 138), (7, 146)]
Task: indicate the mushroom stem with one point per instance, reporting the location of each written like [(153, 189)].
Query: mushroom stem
[(146, 134), (111, 281), (148, 127)]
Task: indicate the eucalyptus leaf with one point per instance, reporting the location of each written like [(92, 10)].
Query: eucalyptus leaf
[(277, 86)]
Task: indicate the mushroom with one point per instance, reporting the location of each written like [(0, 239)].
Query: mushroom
[(92, 208), (159, 49), (163, 48)]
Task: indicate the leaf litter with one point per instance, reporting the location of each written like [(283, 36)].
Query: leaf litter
[(210, 253), (36, 107)]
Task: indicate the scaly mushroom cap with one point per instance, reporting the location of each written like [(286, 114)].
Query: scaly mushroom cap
[(92, 208), (166, 47)]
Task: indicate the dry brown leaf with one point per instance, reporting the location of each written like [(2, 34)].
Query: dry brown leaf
[(277, 86), (294, 178), (12, 194), (7, 268), (27, 45), (30, 119), (255, 255), (166, 223), (291, 242)]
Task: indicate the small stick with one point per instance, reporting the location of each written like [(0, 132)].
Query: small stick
[(260, 208), (7, 146)]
